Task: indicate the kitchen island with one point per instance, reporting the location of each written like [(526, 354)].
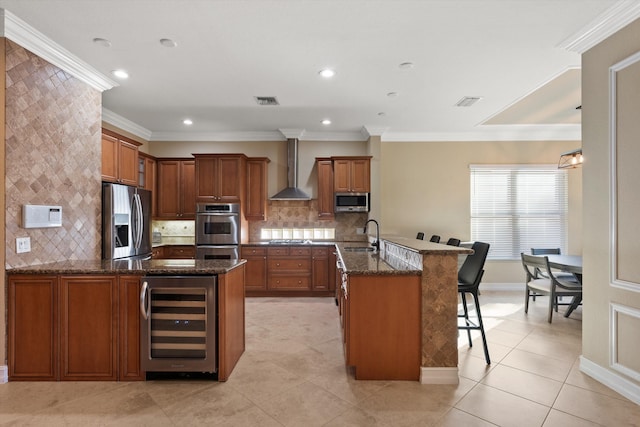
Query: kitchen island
[(80, 320), (398, 310)]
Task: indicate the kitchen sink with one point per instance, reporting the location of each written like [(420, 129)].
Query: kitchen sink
[(359, 249)]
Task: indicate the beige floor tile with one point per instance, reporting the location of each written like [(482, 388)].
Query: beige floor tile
[(472, 367), (561, 419), (537, 364), (502, 408), (515, 326), (305, 405), (458, 418), (498, 336), (596, 407), (261, 381), (219, 405), (582, 380), (308, 363), (340, 381), (524, 384), (567, 351), (497, 352)]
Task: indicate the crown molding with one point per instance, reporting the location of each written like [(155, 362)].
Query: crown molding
[(369, 131), (18, 31), (125, 124), (291, 132), (493, 133), (607, 23)]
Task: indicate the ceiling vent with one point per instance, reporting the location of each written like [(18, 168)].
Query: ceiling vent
[(266, 100), (468, 101)]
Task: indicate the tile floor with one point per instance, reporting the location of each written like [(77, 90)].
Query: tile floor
[(293, 374)]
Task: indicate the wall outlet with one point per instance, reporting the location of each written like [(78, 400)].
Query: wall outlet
[(23, 244)]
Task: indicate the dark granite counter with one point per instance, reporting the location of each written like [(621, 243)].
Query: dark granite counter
[(135, 267), (373, 263)]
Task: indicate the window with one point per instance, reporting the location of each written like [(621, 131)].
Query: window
[(518, 207)]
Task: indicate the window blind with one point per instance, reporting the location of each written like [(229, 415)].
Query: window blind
[(518, 207)]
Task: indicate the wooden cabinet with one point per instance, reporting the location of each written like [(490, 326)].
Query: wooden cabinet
[(289, 268), (325, 188), (66, 327), (255, 268), (320, 268), (220, 177), (256, 202), (119, 159), (176, 189), (387, 345), (147, 177), (231, 320), (157, 252), (351, 174), (33, 345), (88, 327), (129, 329)]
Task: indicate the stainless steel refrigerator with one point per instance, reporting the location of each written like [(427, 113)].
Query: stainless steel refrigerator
[(126, 222)]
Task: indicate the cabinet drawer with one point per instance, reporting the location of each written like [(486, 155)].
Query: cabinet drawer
[(320, 252), (276, 265), (179, 252), (279, 251), (253, 251), (289, 282), (298, 251)]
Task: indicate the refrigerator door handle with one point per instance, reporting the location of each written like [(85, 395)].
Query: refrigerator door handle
[(138, 221)]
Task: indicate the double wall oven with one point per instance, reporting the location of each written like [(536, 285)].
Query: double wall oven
[(217, 230)]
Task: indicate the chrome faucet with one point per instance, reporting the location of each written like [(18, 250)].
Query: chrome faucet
[(375, 244)]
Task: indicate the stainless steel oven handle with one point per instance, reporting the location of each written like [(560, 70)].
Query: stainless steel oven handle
[(143, 301)]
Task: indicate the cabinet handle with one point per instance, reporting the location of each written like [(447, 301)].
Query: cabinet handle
[(277, 264), (144, 309), (299, 264)]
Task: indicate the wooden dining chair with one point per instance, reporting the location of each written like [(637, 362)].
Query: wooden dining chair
[(551, 285)]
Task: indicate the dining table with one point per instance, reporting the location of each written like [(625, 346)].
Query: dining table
[(569, 264)]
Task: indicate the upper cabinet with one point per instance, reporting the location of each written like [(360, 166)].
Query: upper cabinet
[(147, 173), (351, 174), (119, 158), (176, 189), (256, 203), (324, 167), (220, 177)]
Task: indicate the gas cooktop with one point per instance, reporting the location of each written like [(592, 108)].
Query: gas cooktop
[(289, 242)]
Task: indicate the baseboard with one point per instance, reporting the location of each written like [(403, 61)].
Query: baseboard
[(438, 375), (612, 380), (4, 374), (502, 287)]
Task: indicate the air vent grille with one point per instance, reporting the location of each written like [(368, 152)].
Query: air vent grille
[(266, 100), (467, 101)]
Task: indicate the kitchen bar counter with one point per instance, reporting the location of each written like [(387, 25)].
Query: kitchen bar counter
[(134, 267)]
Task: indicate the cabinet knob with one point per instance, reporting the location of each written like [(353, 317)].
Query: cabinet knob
[(277, 264), (299, 264)]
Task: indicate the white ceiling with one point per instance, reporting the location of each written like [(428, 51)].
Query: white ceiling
[(229, 51)]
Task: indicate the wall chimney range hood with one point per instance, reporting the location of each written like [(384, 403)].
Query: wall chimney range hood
[(292, 192)]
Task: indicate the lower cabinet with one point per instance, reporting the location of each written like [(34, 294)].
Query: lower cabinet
[(174, 252), (67, 327), (289, 270)]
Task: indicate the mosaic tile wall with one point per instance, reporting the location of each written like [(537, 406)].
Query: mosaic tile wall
[(304, 214), (53, 125)]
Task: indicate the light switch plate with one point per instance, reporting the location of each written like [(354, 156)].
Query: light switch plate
[(23, 244)]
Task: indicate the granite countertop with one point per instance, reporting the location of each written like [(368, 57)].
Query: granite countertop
[(425, 247), (150, 267), (373, 263), (175, 241)]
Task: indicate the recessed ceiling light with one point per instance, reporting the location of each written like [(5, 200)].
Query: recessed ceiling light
[(406, 65), (168, 43), (102, 42), (326, 122), (382, 114), (392, 94), (327, 73), (187, 122), (121, 74)]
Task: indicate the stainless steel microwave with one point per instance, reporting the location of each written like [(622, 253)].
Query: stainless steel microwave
[(351, 202)]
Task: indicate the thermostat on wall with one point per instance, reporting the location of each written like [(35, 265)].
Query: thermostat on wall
[(40, 216)]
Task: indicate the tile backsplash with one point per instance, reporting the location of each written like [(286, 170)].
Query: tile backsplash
[(174, 228), (53, 157)]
